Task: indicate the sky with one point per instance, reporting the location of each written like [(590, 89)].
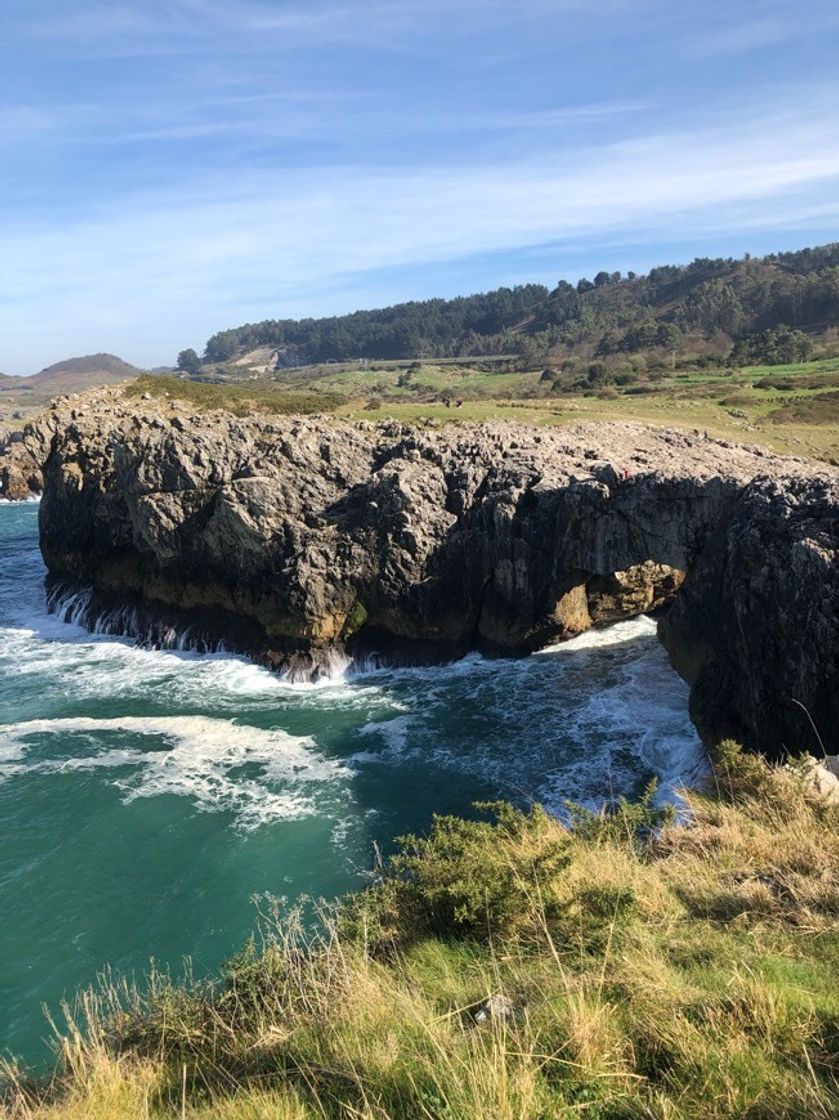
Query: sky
[(175, 167)]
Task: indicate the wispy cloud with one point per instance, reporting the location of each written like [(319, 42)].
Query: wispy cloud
[(774, 24), (305, 156), (27, 120), (266, 117), (93, 21), (185, 259), (150, 27)]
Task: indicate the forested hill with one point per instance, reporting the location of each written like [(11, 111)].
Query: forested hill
[(746, 308)]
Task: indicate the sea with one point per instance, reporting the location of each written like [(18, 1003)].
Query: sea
[(150, 798)]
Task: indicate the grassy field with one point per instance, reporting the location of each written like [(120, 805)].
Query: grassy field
[(792, 409), (511, 969), (241, 400)]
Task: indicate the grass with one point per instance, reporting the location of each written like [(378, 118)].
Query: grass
[(643, 971), (241, 400), (790, 409)]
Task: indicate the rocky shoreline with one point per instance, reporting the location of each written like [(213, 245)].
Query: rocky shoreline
[(296, 540)]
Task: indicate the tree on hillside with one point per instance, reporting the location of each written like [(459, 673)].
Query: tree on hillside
[(777, 346), (711, 302), (188, 361)]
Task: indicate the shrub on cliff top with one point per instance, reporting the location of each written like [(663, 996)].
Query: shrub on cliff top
[(478, 879)]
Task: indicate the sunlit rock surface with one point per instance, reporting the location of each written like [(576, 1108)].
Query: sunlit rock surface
[(295, 538)]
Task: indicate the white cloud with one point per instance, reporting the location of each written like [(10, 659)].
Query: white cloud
[(156, 271), (26, 120), (93, 21), (152, 27), (769, 27)]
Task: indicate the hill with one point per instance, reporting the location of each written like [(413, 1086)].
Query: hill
[(73, 375), (777, 308)]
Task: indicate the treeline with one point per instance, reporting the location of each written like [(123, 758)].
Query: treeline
[(723, 306), (428, 328)]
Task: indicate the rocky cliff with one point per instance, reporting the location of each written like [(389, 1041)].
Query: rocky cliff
[(296, 538)]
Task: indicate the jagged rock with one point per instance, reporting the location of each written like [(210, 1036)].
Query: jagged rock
[(821, 777), (497, 1009), (20, 473), (641, 589), (755, 629), (297, 538)]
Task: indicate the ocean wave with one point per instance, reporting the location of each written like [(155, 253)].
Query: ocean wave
[(199, 762)]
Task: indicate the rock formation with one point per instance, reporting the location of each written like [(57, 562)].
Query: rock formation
[(292, 538), (20, 472)]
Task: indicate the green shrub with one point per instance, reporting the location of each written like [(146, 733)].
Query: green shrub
[(628, 822), (479, 879)]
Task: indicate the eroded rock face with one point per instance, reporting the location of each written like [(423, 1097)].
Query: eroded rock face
[(20, 472), (295, 537), (755, 629)]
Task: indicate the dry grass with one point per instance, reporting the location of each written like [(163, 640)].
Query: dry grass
[(649, 972)]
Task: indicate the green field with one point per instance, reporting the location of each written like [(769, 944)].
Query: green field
[(793, 409)]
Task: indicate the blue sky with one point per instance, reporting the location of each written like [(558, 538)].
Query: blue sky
[(174, 167)]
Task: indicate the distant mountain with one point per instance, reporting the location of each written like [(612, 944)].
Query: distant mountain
[(73, 375), (703, 310)]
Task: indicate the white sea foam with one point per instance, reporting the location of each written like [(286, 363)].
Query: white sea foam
[(627, 631), (562, 725), (394, 732), (10, 752), (586, 719), (200, 761)]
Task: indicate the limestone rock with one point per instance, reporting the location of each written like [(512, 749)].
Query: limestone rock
[(822, 778), (299, 539), (497, 1009), (20, 472)]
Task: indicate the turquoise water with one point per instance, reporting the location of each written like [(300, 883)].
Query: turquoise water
[(146, 796)]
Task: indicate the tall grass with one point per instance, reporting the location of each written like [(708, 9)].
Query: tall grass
[(641, 970)]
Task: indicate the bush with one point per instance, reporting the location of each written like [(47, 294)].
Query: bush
[(627, 822), (476, 879)]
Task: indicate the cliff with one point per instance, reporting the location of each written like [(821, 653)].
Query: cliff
[(293, 539)]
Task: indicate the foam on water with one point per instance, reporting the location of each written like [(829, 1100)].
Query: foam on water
[(199, 761), (591, 730), (600, 725)]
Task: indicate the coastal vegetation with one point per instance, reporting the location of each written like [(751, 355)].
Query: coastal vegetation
[(791, 408), (619, 965), (774, 309), (241, 400)]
